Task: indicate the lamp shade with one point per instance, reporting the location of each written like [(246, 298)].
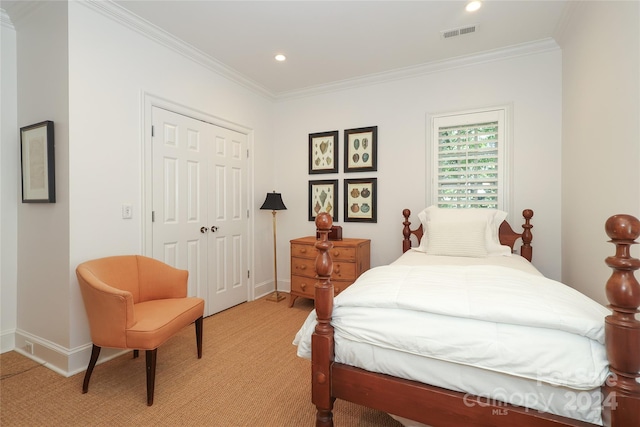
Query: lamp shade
[(273, 202)]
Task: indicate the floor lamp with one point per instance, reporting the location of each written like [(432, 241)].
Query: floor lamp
[(274, 203)]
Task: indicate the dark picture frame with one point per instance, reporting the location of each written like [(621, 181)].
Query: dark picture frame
[(323, 197), (361, 149), (360, 200), (323, 152), (38, 163)]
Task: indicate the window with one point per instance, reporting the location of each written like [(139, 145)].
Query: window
[(469, 167)]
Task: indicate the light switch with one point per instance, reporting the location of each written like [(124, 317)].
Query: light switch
[(127, 211)]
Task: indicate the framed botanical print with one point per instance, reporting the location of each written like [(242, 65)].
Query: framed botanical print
[(361, 149), (38, 165), (323, 152), (360, 200), (323, 197)]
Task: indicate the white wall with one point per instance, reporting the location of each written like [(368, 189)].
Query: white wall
[(111, 68), (43, 228), (9, 183), (530, 83), (601, 135), (89, 74)]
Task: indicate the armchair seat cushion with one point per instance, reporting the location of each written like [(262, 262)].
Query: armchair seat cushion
[(158, 320)]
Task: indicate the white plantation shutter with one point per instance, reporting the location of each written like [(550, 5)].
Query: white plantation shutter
[(469, 167)]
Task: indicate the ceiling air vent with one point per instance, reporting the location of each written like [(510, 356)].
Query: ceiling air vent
[(447, 34)]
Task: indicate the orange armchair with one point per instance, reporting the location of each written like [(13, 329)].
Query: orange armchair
[(135, 302)]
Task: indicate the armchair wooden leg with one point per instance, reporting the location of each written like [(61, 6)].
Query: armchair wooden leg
[(95, 352), (198, 323), (151, 374)]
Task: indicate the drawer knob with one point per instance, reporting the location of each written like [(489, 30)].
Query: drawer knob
[(336, 269), (303, 286), (301, 267), (303, 250), (336, 254)]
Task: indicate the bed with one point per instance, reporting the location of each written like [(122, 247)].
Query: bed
[(459, 386)]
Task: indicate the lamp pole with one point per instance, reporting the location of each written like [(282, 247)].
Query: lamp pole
[(276, 296), (273, 202)]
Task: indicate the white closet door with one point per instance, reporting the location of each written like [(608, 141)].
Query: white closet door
[(228, 264), (199, 196)]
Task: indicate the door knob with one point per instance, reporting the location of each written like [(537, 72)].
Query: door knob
[(203, 230), (214, 228)]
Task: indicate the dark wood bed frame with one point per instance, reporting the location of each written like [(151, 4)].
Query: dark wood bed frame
[(436, 406)]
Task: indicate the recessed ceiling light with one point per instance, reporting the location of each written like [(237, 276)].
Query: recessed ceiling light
[(473, 6), (280, 57)]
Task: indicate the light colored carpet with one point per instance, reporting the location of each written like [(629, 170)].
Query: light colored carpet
[(249, 375)]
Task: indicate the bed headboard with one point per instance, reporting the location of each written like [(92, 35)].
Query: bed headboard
[(507, 236)]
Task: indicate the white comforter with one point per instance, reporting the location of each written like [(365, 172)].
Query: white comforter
[(488, 316)]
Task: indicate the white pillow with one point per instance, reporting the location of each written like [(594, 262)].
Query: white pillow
[(492, 217), (464, 239)]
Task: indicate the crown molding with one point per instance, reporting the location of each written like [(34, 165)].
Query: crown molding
[(571, 8), (524, 49), (121, 15), (5, 20), (18, 11)]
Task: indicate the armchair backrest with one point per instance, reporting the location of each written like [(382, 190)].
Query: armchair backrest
[(157, 280), (120, 272), (145, 278)]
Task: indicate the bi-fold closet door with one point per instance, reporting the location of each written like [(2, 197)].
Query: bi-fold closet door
[(199, 206)]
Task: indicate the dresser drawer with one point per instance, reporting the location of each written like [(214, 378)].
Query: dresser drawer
[(338, 253), (303, 267), (305, 286), (303, 251), (307, 267)]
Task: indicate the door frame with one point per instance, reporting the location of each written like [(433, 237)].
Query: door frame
[(148, 102)]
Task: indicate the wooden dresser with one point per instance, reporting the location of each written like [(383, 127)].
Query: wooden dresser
[(351, 258)]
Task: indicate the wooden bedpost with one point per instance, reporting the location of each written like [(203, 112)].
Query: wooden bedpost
[(406, 231), (322, 339), (525, 249), (622, 329)]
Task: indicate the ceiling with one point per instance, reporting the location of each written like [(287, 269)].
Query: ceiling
[(332, 41)]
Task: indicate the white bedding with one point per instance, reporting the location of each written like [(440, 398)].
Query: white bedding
[(493, 315)]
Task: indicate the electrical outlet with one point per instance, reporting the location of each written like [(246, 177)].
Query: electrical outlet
[(28, 347), (127, 211)]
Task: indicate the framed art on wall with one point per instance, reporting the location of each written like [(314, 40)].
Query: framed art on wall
[(38, 164), (323, 197), (360, 200), (361, 149), (323, 152)]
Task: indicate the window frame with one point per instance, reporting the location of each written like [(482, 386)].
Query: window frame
[(503, 115)]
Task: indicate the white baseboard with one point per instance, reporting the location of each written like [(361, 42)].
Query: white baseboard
[(64, 361), (265, 288), (7, 341)]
